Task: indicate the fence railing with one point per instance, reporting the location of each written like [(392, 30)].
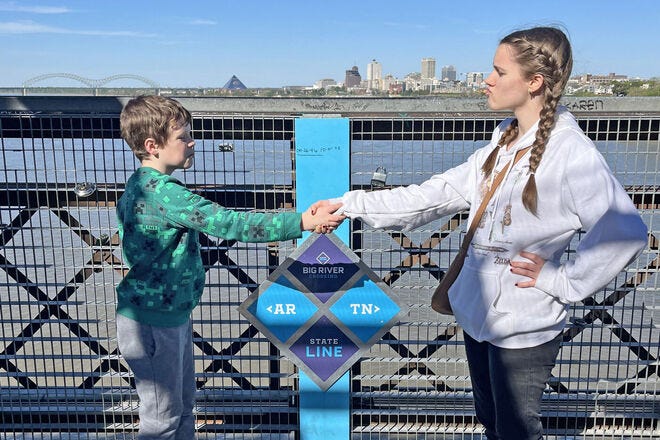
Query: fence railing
[(64, 167)]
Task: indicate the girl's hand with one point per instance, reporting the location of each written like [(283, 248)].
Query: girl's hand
[(318, 204), (321, 217), (529, 269)]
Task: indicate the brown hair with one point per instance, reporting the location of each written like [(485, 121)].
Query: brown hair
[(545, 51), (150, 116)]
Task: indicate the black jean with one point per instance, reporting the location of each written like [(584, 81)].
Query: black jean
[(508, 385)]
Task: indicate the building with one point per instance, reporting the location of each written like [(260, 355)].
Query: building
[(428, 68), (353, 78), (449, 73), (234, 84), (397, 88), (601, 79), (474, 79), (392, 85), (413, 81), (374, 75), (325, 83)]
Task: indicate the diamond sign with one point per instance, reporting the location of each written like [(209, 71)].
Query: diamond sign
[(323, 308)]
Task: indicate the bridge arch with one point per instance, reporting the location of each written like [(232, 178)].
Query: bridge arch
[(93, 83), (147, 81), (30, 82)]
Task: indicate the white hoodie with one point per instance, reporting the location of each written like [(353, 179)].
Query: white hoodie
[(576, 190)]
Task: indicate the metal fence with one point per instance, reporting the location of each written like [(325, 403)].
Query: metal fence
[(61, 375)]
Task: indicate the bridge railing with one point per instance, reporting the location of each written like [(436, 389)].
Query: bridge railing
[(63, 169)]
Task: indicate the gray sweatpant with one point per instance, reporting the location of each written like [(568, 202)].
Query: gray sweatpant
[(161, 359)]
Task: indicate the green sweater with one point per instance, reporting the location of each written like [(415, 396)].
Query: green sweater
[(159, 220)]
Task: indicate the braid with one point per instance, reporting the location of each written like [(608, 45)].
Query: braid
[(545, 51), (510, 133), (552, 93)]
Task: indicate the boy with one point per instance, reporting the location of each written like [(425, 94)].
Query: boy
[(159, 220)]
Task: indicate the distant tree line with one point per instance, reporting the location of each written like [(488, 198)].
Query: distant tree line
[(635, 87)]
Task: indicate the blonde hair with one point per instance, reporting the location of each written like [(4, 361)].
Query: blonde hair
[(545, 51), (150, 116)]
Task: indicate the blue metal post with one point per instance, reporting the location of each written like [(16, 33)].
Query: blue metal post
[(323, 171)]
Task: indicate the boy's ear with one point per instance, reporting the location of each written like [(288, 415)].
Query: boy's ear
[(151, 147)]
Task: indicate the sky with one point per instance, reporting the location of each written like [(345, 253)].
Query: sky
[(276, 43)]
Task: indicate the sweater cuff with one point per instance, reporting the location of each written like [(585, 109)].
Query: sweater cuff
[(546, 279), (293, 225), (334, 200)]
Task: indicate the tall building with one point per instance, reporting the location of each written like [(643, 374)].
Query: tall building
[(428, 68), (374, 75), (353, 78), (449, 73)]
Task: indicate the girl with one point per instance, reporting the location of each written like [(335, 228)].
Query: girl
[(512, 295)]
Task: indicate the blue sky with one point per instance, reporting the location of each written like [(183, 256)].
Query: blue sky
[(273, 43)]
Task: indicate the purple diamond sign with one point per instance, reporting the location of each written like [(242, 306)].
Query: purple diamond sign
[(323, 308)]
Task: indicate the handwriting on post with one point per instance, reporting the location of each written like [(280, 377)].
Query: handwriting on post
[(332, 106), (318, 150)]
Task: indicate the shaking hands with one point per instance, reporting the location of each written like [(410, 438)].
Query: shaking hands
[(321, 217)]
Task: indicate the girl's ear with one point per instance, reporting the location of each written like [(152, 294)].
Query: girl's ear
[(151, 147), (535, 83)]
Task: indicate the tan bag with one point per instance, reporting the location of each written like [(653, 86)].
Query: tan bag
[(440, 299)]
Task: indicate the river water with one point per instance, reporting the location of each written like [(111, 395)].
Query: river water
[(70, 161)]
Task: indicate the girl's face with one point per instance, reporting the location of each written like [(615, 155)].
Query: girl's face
[(507, 88)]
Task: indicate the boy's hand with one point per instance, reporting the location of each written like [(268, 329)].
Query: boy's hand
[(320, 217)]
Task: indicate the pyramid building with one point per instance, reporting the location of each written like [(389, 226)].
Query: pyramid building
[(234, 84)]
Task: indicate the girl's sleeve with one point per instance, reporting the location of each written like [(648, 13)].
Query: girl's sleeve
[(615, 233), (414, 205)]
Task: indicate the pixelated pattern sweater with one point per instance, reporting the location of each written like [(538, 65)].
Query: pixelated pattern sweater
[(159, 223)]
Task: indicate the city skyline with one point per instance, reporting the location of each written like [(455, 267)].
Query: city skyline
[(298, 43)]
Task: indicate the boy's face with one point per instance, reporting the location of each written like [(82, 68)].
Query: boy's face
[(178, 151)]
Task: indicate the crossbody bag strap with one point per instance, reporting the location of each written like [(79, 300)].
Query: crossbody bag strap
[(482, 207)]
